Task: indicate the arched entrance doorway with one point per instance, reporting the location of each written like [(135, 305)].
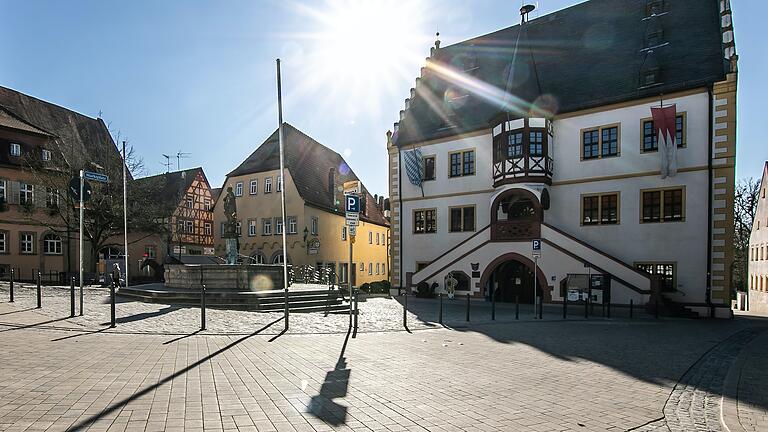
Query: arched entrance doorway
[(513, 275), (513, 278)]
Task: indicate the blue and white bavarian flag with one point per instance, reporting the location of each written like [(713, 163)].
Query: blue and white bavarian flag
[(414, 166)]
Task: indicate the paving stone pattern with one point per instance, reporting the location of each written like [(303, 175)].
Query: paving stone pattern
[(752, 393), (694, 404), (68, 374)]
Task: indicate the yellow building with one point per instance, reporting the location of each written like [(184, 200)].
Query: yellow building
[(315, 221)]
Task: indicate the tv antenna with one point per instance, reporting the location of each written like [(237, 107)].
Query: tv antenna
[(179, 156), (167, 162)]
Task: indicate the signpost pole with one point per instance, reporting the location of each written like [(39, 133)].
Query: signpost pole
[(535, 285), (349, 277), (282, 187), (82, 180), (125, 217)]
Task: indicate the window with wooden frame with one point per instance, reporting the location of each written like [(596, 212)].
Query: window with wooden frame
[(429, 167), (4, 235), (536, 143), (667, 271), (662, 205), (27, 243), (424, 221), (601, 142), (649, 140), (266, 226), (600, 209), (268, 185), (251, 227), (462, 163), (254, 187), (461, 219), (239, 189)]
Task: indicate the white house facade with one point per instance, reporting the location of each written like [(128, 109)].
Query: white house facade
[(758, 252), (519, 138)]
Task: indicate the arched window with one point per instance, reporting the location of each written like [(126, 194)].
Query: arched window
[(462, 279), (258, 258), (516, 207), (52, 244), (277, 258)]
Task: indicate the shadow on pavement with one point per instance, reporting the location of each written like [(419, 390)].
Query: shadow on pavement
[(27, 326), (657, 351), (82, 425), (334, 386), (145, 315)]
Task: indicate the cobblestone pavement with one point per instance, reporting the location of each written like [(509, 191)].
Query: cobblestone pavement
[(376, 314), (538, 376), (748, 408)]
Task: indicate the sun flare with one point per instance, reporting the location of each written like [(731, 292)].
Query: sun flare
[(363, 50)]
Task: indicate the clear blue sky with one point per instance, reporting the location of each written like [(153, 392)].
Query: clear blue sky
[(199, 76)]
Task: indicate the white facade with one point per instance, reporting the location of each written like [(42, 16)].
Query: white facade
[(758, 252), (682, 243)]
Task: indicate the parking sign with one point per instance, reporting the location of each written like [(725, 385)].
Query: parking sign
[(536, 245), (352, 203)]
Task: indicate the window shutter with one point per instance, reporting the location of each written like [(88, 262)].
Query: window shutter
[(13, 196)]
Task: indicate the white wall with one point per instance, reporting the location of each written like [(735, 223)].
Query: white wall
[(684, 243)]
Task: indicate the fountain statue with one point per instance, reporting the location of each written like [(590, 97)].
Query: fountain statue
[(230, 227)]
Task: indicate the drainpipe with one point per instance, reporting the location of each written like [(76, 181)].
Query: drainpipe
[(709, 200)]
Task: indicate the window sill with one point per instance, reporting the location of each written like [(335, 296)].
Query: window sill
[(662, 221)]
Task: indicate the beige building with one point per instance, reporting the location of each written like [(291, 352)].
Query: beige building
[(315, 221), (758, 252)]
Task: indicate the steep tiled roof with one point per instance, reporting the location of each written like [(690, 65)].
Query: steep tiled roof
[(12, 121), (77, 135), (309, 164), (170, 187), (584, 56)]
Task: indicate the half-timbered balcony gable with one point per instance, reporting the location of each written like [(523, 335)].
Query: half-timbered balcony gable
[(521, 151)]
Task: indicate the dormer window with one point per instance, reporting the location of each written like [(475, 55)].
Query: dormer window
[(654, 7), (46, 155), (15, 149)]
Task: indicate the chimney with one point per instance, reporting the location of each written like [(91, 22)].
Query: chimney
[(524, 11)]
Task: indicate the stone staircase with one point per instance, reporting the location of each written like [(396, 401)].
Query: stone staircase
[(305, 300)]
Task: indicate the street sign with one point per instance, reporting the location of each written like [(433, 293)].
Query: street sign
[(74, 189), (352, 230), (353, 221), (536, 245), (352, 187), (99, 177), (352, 203)]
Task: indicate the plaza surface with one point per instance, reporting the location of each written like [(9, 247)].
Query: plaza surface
[(157, 371)]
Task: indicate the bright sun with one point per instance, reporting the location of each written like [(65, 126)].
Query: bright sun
[(363, 49)]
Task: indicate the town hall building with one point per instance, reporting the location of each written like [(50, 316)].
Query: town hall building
[(606, 130)]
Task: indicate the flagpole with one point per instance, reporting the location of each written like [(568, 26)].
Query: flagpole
[(125, 216), (282, 186)]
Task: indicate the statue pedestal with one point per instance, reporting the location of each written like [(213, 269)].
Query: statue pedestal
[(231, 250), (242, 277)]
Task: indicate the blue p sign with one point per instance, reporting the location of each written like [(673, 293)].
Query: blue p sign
[(536, 245), (352, 204)]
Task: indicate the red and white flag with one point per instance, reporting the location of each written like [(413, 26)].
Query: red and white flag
[(664, 123)]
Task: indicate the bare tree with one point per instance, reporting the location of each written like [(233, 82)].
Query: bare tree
[(56, 209), (744, 208)]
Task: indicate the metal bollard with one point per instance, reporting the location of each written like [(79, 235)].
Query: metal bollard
[(467, 307), (405, 308), (631, 304), (202, 307), (517, 306), (39, 292), (493, 303), (565, 306), (586, 307), (357, 310), (608, 307), (541, 307), (112, 304), (11, 301), (440, 314), (656, 309), (72, 298)]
